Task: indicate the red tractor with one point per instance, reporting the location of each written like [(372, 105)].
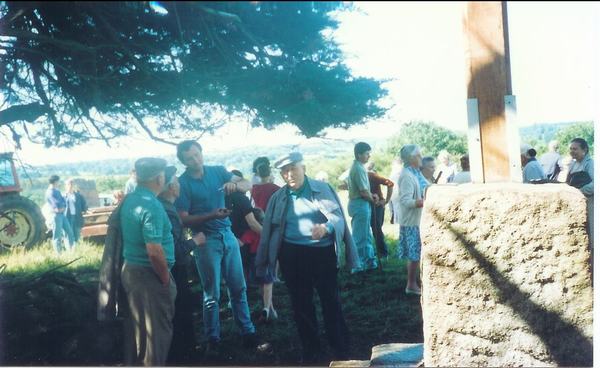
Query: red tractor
[(21, 221)]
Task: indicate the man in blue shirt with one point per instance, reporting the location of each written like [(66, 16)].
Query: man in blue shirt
[(304, 229), (60, 224), (149, 255), (201, 206)]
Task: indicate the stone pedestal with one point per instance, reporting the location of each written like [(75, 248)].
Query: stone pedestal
[(506, 273)]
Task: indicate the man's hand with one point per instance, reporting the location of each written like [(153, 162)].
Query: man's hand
[(159, 262), (199, 239), (319, 231), (229, 188), (378, 202), (419, 203), (220, 213)]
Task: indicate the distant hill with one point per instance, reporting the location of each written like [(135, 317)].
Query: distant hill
[(240, 159)]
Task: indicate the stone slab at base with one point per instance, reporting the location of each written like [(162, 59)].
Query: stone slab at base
[(387, 355), (350, 364), (397, 355)]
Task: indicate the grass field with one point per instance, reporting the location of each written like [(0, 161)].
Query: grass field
[(48, 312)]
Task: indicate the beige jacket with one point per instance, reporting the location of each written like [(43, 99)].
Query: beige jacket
[(409, 191)]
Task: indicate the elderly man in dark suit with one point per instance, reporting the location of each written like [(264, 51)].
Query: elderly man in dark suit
[(304, 228)]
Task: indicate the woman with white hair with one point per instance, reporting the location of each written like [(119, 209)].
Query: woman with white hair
[(446, 171), (411, 186)]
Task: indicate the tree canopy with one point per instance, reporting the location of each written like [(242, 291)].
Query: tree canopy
[(430, 137), (583, 130), (74, 71)]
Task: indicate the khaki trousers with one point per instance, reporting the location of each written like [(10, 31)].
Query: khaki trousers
[(150, 318)]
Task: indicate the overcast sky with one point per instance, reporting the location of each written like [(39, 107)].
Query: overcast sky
[(420, 47)]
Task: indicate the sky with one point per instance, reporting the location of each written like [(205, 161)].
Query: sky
[(419, 48)]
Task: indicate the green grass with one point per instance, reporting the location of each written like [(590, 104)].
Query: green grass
[(23, 262), (49, 313)]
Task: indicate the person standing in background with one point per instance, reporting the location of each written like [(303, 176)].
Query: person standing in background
[(394, 201), (261, 194), (550, 161), (61, 229), (446, 170), (76, 207), (359, 207), (581, 176), (131, 182), (378, 208), (428, 169)]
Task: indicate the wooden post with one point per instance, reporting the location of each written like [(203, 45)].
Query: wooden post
[(493, 144)]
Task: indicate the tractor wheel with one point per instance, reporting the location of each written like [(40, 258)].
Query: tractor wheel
[(21, 222)]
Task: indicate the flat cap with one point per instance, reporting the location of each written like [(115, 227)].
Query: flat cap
[(169, 173), (148, 168), (290, 158)]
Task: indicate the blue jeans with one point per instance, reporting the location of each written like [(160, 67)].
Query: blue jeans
[(74, 222), (360, 211), (221, 255), (61, 224)]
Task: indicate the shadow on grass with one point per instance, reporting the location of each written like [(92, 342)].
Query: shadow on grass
[(48, 309), (50, 320)]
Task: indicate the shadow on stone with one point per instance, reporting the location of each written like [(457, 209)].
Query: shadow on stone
[(566, 345)]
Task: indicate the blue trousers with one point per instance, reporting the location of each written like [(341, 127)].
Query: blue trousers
[(360, 211), (221, 256), (61, 225), (75, 227)]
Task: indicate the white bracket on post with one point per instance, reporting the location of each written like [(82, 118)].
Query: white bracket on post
[(513, 139), (474, 139)]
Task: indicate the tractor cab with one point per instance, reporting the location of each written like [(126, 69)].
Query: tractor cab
[(9, 182), (21, 221)]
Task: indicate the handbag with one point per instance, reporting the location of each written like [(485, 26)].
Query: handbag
[(579, 179)]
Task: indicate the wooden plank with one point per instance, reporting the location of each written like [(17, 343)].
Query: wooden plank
[(95, 219), (488, 81), (94, 230)]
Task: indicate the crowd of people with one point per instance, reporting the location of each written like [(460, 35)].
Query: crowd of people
[(247, 232)]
